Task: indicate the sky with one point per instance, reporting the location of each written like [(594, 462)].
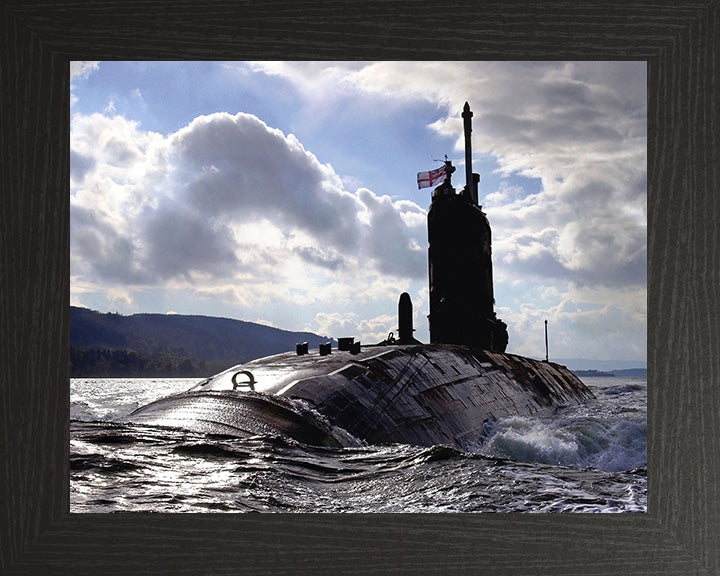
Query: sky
[(285, 193)]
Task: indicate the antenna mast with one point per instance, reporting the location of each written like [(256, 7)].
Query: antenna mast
[(467, 128)]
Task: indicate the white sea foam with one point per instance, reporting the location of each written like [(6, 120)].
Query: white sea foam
[(610, 440)]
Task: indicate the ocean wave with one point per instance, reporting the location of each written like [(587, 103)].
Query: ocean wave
[(101, 463), (612, 446), (623, 389)]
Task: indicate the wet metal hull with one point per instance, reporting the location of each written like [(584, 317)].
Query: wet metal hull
[(413, 394)]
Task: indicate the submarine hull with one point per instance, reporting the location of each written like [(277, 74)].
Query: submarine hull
[(413, 394), (241, 414)]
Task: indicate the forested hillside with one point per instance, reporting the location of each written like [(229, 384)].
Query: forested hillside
[(146, 345)]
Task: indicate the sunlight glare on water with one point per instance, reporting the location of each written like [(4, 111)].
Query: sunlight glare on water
[(587, 459)]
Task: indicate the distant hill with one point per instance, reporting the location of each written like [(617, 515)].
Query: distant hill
[(145, 345), (614, 366), (591, 373), (632, 372), (627, 373)]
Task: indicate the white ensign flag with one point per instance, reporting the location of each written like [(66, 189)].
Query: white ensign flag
[(427, 179)]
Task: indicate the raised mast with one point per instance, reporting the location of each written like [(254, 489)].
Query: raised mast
[(467, 129)]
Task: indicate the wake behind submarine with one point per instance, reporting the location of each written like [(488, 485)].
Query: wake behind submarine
[(401, 390)]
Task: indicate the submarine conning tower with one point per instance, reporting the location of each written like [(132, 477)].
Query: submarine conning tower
[(462, 304)]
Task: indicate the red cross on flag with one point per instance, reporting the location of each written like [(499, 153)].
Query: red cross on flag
[(427, 179)]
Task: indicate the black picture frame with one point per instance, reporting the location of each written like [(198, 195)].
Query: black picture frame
[(680, 532)]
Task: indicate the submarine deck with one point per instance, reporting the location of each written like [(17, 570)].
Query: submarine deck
[(418, 394)]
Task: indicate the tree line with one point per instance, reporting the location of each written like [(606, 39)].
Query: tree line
[(118, 363)]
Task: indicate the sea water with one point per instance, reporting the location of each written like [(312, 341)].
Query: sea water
[(587, 458)]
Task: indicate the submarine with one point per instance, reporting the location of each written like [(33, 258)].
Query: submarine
[(400, 390)]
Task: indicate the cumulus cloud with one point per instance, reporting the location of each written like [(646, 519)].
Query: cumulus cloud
[(349, 325), (389, 241), (232, 201), (582, 133), (239, 165), (589, 322), (82, 68)]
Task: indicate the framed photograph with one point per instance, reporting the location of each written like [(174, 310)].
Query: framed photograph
[(674, 525)]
